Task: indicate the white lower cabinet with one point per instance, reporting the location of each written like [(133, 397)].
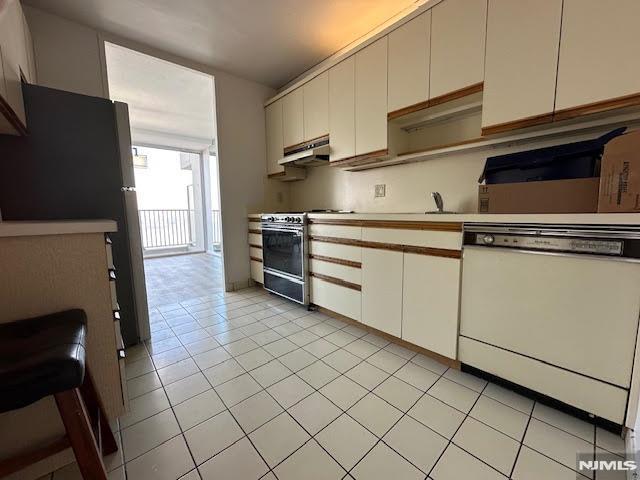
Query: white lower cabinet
[(382, 290), (256, 271), (336, 298), (430, 293)]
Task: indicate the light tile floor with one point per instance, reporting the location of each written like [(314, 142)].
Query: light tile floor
[(246, 385)]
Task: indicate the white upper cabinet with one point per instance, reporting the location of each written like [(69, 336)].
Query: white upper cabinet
[(316, 107), (17, 62), (293, 118), (382, 290), (371, 98), (408, 69), (342, 133), (430, 297), (273, 119), (599, 52), (521, 62), (457, 45)]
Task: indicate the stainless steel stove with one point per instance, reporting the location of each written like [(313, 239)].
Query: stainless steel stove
[(285, 255)]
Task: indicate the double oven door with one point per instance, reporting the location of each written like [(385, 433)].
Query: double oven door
[(284, 257)]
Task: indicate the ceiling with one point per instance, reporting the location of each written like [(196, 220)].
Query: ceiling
[(167, 102), (268, 41)]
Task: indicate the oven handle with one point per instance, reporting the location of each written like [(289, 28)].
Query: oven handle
[(282, 229), (607, 258), (282, 275)]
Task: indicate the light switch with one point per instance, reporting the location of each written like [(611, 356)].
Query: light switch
[(380, 190)]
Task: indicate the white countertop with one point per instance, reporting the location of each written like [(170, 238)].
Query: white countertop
[(555, 218), (55, 227)]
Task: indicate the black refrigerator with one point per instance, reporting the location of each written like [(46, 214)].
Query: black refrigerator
[(76, 163)]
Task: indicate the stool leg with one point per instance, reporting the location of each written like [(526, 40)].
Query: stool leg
[(76, 422), (94, 406)]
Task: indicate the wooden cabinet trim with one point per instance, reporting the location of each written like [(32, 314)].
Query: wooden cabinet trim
[(415, 348), (363, 159), (254, 230), (396, 247), (462, 92), (596, 107), (336, 281), (256, 259), (337, 261), (406, 110), (516, 124), (396, 224), (306, 143)]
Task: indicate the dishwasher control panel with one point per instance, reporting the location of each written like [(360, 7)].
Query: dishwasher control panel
[(547, 243)]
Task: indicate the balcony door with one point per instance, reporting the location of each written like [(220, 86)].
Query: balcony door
[(170, 200)]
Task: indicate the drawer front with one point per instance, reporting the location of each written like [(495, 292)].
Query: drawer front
[(344, 301), (255, 226), (418, 238), (255, 252), (114, 296), (339, 231), (343, 272), (255, 239), (109, 253), (256, 272), (335, 250), (601, 399)]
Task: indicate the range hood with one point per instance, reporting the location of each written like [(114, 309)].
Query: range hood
[(312, 153)]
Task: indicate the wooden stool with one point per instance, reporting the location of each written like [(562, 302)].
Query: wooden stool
[(45, 356)]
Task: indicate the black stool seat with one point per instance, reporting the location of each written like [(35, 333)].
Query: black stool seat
[(41, 356)]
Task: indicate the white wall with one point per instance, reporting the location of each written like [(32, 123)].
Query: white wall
[(408, 187), (69, 57)]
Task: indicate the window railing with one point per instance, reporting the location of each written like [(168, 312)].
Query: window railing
[(216, 223), (165, 228)]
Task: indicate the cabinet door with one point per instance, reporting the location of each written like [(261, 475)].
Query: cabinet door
[(521, 61), (316, 107), (382, 290), (293, 118), (342, 133), (273, 119), (431, 288), (371, 98), (408, 70), (457, 45), (599, 52)]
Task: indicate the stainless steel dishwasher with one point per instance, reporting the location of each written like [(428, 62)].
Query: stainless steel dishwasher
[(555, 309)]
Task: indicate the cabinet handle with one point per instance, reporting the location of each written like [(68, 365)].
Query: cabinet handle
[(121, 353), (112, 274)]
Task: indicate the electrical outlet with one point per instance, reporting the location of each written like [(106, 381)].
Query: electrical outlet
[(380, 190)]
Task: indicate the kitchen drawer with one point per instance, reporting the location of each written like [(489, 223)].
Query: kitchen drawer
[(339, 231), (257, 274), (255, 252), (336, 250), (342, 300), (114, 296), (418, 238), (255, 226), (255, 239), (342, 272), (109, 253), (593, 396)]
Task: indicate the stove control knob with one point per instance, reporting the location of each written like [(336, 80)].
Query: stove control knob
[(298, 220), (287, 219), (488, 239), (271, 219)]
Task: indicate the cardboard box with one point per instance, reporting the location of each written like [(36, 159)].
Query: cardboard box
[(578, 195), (620, 175)]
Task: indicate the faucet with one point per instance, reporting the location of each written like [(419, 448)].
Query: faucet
[(437, 198)]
